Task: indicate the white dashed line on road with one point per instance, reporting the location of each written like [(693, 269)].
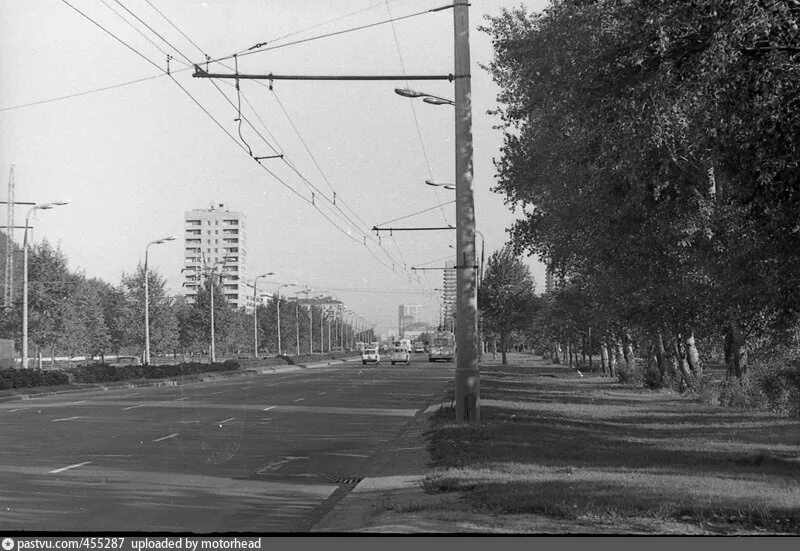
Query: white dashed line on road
[(269, 408), (345, 454), (133, 407), (179, 399), (225, 421), (299, 399), (173, 435), (66, 419), (75, 466)]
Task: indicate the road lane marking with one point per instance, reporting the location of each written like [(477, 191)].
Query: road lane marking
[(224, 421), (133, 407), (299, 399), (13, 410), (179, 399), (320, 393), (66, 419), (345, 454), (75, 466), (269, 408), (215, 393), (173, 435)]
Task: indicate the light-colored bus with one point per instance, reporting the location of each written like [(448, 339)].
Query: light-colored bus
[(442, 346)]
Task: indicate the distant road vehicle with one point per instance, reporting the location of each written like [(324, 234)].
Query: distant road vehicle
[(419, 346), (123, 361), (400, 355), (360, 346), (370, 355), (442, 346)]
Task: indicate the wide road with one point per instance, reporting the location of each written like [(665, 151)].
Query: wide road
[(255, 453)]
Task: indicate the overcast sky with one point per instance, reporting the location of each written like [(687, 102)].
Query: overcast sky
[(133, 158)]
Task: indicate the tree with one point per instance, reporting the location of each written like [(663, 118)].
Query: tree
[(163, 321), (652, 149), (506, 297)]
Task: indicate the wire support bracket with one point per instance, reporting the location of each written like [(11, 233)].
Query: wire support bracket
[(199, 72), (433, 228)]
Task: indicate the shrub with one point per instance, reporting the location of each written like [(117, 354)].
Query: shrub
[(635, 376), (104, 373), (767, 387), (27, 378)]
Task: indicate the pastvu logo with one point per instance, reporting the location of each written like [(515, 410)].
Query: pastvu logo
[(8, 544)]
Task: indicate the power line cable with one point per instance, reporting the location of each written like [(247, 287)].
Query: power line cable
[(155, 32), (84, 93), (131, 25), (414, 114), (175, 27), (416, 213), (259, 49)]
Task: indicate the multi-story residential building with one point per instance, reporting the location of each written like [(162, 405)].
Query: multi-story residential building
[(449, 296), (215, 242), (407, 316)]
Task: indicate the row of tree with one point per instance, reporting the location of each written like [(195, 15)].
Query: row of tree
[(653, 151), (72, 315)]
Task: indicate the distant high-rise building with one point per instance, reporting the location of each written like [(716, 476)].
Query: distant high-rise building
[(407, 315), (449, 296), (215, 239)]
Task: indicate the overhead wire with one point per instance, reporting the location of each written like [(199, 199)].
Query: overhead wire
[(155, 32), (415, 213), (205, 111), (135, 28), (414, 114)]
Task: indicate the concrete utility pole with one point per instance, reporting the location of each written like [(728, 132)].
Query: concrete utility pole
[(467, 379)]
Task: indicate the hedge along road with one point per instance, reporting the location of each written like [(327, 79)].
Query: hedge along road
[(255, 453)]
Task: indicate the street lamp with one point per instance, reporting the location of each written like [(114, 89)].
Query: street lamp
[(147, 298), (280, 351), (437, 184), (45, 206), (255, 312), (427, 98)]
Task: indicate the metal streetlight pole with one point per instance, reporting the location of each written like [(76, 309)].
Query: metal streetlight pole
[(45, 206), (147, 297), (255, 312), (278, 292)]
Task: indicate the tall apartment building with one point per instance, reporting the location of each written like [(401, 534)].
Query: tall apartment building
[(407, 316), (215, 242), (449, 296)]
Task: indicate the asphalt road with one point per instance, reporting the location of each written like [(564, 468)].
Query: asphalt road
[(258, 453)]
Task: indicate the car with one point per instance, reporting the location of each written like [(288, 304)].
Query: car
[(123, 361), (370, 355), (400, 354)]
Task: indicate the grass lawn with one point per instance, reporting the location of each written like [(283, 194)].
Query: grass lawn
[(552, 443)]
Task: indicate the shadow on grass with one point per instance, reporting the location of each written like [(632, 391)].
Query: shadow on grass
[(568, 447)]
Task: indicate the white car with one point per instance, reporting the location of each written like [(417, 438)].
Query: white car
[(400, 355), (370, 355)]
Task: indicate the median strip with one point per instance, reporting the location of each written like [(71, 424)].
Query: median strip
[(75, 466), (173, 435)]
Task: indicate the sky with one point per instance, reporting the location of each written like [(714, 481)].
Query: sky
[(132, 159)]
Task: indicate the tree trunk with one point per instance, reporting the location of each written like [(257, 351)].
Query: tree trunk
[(613, 366), (583, 349), (692, 355), (630, 359), (619, 355), (604, 357), (556, 352), (661, 356), (590, 348), (736, 349), (503, 346), (683, 363)]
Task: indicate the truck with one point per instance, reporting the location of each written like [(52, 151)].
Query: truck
[(442, 346)]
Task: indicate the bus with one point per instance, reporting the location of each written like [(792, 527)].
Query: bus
[(442, 346)]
